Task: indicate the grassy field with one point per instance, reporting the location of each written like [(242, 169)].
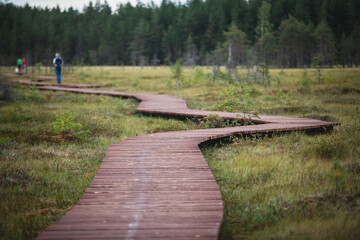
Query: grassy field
[(295, 185)]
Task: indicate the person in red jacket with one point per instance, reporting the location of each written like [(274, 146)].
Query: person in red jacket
[(24, 65)]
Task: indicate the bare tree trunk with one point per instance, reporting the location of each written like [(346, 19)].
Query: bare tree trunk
[(255, 75), (262, 41), (248, 75), (229, 63), (214, 71)]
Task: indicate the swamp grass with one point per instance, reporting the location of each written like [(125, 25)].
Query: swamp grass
[(276, 187)]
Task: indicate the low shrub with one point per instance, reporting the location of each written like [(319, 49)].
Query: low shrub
[(67, 128), (213, 121), (7, 93)]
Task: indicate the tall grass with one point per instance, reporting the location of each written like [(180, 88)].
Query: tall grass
[(285, 180)]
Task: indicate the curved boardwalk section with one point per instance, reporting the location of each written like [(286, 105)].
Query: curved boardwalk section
[(158, 186)]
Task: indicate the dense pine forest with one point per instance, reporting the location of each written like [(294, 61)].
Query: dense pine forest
[(278, 33)]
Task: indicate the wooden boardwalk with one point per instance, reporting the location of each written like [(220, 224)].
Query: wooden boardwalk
[(158, 186), (44, 84), (40, 78)]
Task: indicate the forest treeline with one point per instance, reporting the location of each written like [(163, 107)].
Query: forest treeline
[(279, 33)]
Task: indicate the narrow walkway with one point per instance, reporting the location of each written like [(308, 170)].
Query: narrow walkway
[(43, 84), (40, 78), (158, 186)]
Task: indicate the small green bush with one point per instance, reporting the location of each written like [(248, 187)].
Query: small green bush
[(355, 114), (305, 81), (177, 71), (66, 126), (277, 80), (38, 67), (4, 141), (14, 114), (7, 93), (331, 146), (213, 121), (337, 176), (200, 76), (282, 73), (237, 98), (136, 82), (222, 75)]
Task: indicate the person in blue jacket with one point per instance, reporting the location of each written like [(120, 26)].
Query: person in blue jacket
[(58, 63)]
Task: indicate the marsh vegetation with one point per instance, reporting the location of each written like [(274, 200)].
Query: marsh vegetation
[(289, 186)]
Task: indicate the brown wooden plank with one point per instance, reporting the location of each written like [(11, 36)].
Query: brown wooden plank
[(43, 84)]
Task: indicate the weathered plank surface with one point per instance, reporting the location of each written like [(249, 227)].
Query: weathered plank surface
[(40, 78), (67, 85), (158, 186)]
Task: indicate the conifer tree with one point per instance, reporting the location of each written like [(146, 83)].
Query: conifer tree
[(236, 44), (264, 30), (139, 48), (98, 35), (190, 52), (325, 43), (295, 41)]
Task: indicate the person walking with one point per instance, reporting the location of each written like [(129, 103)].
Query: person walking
[(57, 63), (19, 64), (24, 65)]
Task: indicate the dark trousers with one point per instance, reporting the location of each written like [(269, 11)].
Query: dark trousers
[(58, 74)]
